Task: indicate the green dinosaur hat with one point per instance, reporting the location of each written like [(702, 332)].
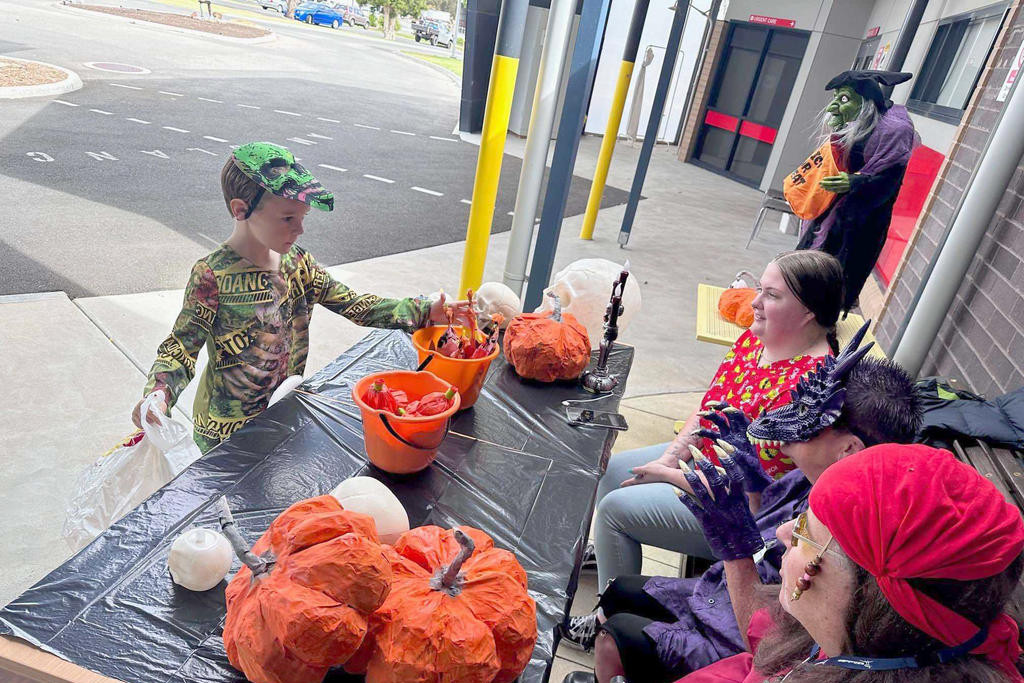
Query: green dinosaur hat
[(275, 170)]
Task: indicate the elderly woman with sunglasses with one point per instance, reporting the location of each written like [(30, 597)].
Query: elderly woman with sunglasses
[(899, 572)]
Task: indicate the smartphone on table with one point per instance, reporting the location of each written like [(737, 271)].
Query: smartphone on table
[(587, 417)]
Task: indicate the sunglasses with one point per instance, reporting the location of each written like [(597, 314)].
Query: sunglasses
[(800, 535)]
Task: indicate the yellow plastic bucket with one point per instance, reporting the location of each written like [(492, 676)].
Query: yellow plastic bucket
[(401, 444), (466, 375)]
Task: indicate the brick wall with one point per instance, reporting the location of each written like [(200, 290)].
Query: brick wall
[(982, 338), (701, 92)]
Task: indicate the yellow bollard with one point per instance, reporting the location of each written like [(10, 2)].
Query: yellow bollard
[(488, 170), (611, 133), (604, 158)]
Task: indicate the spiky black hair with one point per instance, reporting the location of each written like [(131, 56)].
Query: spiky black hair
[(882, 405)]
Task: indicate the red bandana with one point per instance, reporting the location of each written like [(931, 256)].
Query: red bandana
[(904, 512)]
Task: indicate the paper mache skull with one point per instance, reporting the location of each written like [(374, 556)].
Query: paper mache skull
[(495, 297)]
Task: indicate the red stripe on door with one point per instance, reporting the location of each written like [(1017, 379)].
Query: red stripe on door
[(758, 132), (720, 120)]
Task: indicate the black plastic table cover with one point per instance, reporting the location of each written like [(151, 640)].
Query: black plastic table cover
[(511, 466)]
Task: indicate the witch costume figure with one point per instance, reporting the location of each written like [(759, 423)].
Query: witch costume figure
[(846, 189)]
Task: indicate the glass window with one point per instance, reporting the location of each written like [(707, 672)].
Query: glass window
[(954, 62), (968, 62)]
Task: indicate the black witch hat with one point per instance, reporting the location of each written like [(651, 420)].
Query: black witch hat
[(868, 83)]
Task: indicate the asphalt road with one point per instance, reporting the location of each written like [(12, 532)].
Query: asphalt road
[(115, 188)]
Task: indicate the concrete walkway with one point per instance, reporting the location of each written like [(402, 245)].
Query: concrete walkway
[(74, 369)]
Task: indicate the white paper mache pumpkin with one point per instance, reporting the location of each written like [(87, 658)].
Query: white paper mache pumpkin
[(199, 559), (497, 297), (584, 288), (371, 497)]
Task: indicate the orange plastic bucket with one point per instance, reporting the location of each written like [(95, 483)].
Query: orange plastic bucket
[(466, 374), (399, 444)]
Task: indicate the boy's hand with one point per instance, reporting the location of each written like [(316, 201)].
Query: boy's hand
[(462, 312), (137, 413)]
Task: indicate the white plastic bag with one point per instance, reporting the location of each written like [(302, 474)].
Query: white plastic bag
[(287, 386), (128, 474)]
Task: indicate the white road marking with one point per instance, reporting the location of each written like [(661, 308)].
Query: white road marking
[(145, 123), (424, 190), (207, 99), (402, 132), (333, 168), (465, 201), (320, 137), (320, 118), (436, 137), (100, 111), (363, 125), (210, 137), (209, 239), (100, 156), (288, 113), (248, 106), (172, 94), (129, 87), (66, 104), (39, 156), (155, 153), (176, 130), (377, 177), (511, 213), (301, 141), (200, 149)]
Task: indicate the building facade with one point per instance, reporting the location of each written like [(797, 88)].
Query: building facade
[(759, 91), (749, 89), (982, 338)]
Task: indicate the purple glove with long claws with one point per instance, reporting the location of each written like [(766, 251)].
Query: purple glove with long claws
[(721, 507), (731, 435)]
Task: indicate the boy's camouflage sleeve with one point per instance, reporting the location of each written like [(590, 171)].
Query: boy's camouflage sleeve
[(368, 310), (175, 363)]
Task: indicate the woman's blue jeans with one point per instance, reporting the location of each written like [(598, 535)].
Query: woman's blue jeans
[(648, 514)]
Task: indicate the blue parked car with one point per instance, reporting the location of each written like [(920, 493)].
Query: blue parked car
[(319, 13)]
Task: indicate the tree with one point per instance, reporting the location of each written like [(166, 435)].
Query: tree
[(443, 5), (395, 8)]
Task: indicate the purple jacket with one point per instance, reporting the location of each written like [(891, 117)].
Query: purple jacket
[(706, 630)]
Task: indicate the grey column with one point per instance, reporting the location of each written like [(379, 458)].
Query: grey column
[(570, 128), (538, 139)]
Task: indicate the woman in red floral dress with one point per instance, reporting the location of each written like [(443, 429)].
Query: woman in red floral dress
[(795, 313)]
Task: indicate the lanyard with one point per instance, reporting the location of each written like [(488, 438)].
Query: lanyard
[(890, 663)]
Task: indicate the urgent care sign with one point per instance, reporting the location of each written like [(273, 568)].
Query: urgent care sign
[(772, 21)]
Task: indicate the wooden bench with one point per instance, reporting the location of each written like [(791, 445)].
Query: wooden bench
[(1005, 469), (711, 327)]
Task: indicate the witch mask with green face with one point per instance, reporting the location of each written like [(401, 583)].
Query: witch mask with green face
[(844, 107)]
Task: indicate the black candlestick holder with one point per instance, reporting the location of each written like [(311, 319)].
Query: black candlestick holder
[(598, 380)]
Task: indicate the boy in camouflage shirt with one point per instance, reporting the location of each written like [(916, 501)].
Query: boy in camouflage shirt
[(250, 301)]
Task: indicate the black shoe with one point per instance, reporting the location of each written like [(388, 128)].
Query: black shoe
[(581, 633), (589, 562), (580, 677)]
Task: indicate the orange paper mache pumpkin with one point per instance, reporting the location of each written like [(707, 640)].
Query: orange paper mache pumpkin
[(301, 602), (734, 305), (458, 612), (547, 346)]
